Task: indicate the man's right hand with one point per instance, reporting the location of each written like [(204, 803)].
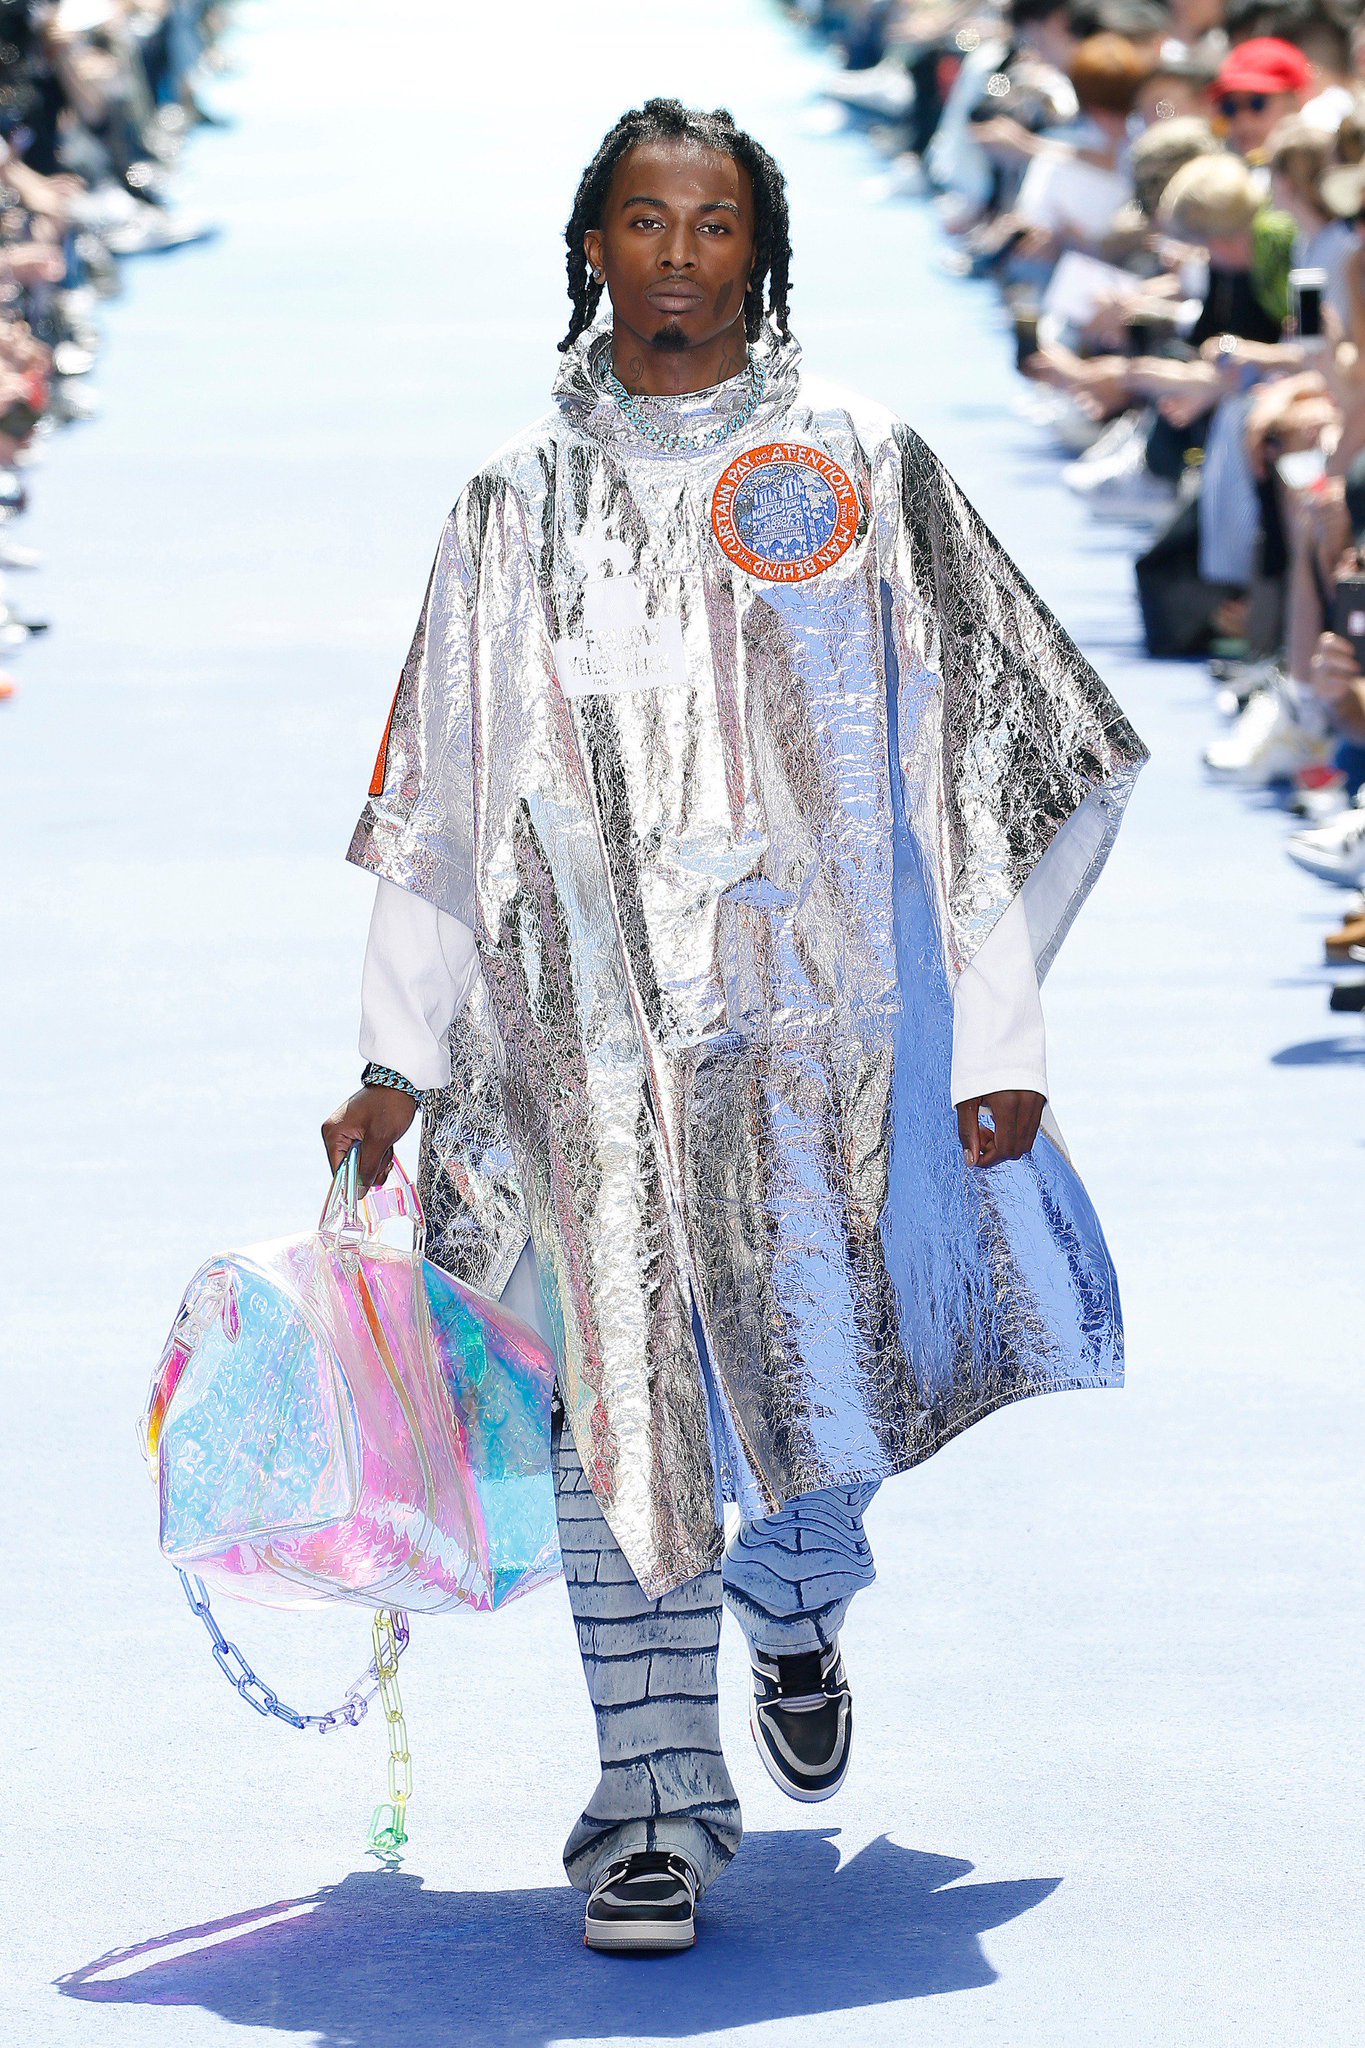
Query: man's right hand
[(375, 1119)]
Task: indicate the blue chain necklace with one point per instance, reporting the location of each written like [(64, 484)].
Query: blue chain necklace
[(671, 441)]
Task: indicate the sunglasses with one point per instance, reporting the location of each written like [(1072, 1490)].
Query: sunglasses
[(1233, 103)]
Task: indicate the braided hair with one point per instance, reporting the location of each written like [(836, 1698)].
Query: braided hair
[(670, 120)]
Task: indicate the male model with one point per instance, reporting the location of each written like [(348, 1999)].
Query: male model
[(736, 793)]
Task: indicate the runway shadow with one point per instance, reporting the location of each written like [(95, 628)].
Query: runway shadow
[(377, 1961), (1322, 1052)]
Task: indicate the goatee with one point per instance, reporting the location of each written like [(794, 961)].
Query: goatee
[(670, 338)]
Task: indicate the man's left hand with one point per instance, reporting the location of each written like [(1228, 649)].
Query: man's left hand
[(1015, 1112)]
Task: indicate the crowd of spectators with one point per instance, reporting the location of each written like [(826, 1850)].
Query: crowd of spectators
[(1170, 197), (96, 100)]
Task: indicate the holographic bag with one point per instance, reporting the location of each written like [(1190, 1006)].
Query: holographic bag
[(333, 1418)]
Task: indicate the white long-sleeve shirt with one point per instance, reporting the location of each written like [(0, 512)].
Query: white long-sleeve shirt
[(420, 964)]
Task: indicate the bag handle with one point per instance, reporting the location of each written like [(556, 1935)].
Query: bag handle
[(348, 1218)]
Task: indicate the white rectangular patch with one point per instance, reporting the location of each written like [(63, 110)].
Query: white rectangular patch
[(616, 660)]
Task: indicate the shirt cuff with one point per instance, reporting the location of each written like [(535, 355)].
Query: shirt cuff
[(999, 1040)]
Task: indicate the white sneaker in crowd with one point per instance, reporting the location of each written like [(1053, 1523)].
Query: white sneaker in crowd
[(1120, 450), (1138, 496), (1112, 475), (902, 179), (885, 89), (1266, 744), (1336, 850), (1237, 681), (1059, 415), (128, 226), (70, 401), (153, 228)]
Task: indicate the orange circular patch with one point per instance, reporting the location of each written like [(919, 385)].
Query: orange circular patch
[(785, 512)]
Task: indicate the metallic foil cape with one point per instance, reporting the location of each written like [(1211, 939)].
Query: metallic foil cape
[(726, 843)]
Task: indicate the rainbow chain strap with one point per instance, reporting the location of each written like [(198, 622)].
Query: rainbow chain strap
[(259, 1695), (388, 1823)]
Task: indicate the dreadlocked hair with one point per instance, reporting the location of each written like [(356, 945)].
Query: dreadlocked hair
[(671, 121)]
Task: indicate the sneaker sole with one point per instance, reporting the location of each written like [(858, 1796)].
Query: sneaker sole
[(784, 1784), (1323, 869), (640, 1939)]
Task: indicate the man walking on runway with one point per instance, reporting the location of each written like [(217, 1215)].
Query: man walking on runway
[(736, 794)]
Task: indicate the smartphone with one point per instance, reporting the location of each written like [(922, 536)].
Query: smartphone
[(1139, 338), (1306, 288), (1348, 614), (1025, 336)]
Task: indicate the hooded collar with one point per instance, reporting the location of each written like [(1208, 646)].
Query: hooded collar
[(583, 398)]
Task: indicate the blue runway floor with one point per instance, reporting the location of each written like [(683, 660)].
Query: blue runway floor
[(1107, 1789)]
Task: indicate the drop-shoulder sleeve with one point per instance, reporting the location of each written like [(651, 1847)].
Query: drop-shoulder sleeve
[(1017, 762), (417, 827)]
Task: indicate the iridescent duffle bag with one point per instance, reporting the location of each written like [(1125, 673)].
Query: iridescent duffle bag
[(334, 1418)]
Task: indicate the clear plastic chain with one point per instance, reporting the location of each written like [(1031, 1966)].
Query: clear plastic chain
[(259, 1695), (388, 1824)]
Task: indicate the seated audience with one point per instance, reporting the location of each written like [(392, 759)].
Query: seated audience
[(95, 104), (1170, 196)]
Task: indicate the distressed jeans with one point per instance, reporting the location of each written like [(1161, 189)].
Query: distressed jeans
[(650, 1665)]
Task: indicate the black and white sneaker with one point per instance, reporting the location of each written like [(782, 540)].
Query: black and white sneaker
[(802, 1721), (645, 1904)]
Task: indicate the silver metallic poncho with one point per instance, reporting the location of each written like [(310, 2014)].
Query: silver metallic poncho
[(732, 758)]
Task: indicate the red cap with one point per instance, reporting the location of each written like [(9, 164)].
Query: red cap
[(1264, 64)]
